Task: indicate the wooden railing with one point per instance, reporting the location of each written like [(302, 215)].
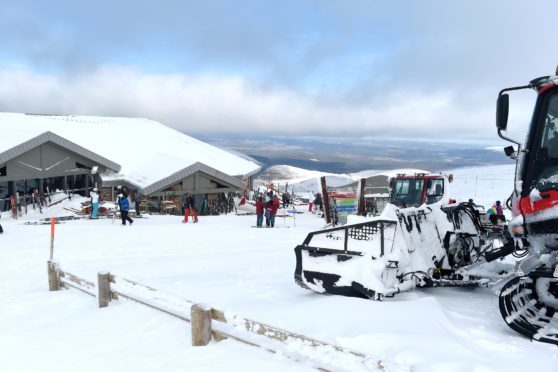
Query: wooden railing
[(209, 323)]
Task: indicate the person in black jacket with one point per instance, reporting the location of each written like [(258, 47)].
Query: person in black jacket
[(137, 202), (318, 202), (184, 200)]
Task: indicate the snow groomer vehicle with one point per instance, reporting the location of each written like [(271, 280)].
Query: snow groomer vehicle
[(422, 238)]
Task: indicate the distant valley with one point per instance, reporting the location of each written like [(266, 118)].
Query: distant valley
[(350, 155)]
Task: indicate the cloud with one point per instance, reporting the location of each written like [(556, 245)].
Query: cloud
[(232, 104), (359, 68), (313, 44)]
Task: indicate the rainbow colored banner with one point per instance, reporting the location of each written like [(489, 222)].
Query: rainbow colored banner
[(346, 202)]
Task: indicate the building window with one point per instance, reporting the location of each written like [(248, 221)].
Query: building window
[(2, 171)]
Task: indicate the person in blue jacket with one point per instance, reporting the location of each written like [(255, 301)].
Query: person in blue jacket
[(124, 205)]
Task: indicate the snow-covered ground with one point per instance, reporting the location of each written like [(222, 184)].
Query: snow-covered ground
[(224, 262), (484, 185)]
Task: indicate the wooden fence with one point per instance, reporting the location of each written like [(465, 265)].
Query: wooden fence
[(209, 323)]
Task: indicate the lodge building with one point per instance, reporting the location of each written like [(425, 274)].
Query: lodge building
[(76, 153)]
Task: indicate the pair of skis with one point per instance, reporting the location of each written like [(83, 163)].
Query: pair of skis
[(14, 207), (116, 208), (37, 200)]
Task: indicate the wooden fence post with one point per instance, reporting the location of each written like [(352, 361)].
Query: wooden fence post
[(361, 203), (53, 276), (103, 286), (325, 200), (201, 324)]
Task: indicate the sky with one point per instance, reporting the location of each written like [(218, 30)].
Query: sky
[(406, 69)]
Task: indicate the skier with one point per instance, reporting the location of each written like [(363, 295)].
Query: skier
[(190, 209), (275, 206), (185, 198), (286, 200), (499, 209), (259, 211), (268, 207), (271, 211), (495, 213), (500, 212), (94, 194), (137, 202), (124, 206), (318, 202)]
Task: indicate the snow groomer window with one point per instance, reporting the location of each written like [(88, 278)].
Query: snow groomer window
[(435, 191), (549, 138), (546, 167)]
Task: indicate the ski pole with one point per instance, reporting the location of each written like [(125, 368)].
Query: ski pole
[(51, 237)]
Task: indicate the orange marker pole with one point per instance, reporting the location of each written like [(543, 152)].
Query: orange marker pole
[(51, 237)]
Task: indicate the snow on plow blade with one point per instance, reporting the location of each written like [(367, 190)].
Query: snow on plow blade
[(348, 260)]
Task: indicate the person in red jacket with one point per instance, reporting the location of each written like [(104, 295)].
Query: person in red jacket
[(190, 209), (271, 211), (259, 211)]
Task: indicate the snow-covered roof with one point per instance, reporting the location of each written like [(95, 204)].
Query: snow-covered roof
[(51, 137), (146, 150)]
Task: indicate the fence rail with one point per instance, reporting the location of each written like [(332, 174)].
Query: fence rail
[(70, 280), (209, 323)]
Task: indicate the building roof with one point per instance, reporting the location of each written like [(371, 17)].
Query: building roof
[(51, 137), (197, 167), (147, 151)]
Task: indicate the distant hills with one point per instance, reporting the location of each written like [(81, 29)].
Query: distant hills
[(351, 155)]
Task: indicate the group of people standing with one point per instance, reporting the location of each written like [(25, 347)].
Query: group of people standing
[(316, 203), (496, 213), (123, 205), (267, 208), (122, 202)]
